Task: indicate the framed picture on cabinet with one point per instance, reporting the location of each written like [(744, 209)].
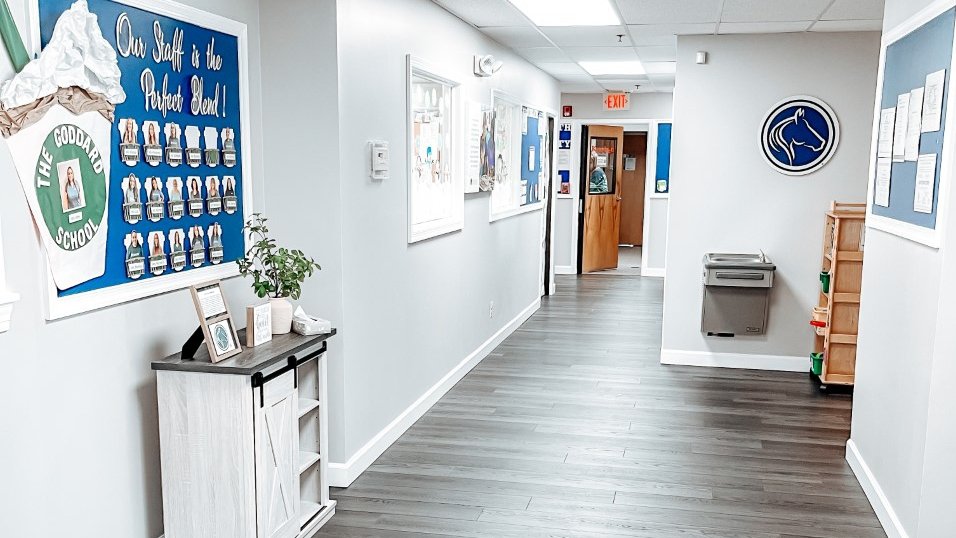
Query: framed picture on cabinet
[(435, 202), (216, 322)]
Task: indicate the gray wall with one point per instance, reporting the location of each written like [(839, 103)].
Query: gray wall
[(906, 376), (80, 455), (725, 198), (413, 312)]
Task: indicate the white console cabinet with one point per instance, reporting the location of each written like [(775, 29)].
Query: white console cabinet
[(243, 442)]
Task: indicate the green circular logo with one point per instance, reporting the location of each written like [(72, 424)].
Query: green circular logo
[(71, 186)]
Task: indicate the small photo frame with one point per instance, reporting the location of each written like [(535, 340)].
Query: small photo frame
[(258, 324), (178, 259), (177, 196), (197, 246), (195, 204), (193, 151), (230, 203), (215, 243), (174, 148), (156, 253), (213, 198), (129, 141), (156, 200), (211, 135), (222, 340), (152, 150), (229, 147), (135, 262), (132, 199)]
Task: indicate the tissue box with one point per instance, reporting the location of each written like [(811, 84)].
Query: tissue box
[(310, 326)]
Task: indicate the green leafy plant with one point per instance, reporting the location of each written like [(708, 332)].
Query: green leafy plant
[(276, 271)]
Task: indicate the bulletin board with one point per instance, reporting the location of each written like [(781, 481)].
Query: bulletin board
[(182, 66), (912, 52), (520, 135), (663, 169), (532, 155)]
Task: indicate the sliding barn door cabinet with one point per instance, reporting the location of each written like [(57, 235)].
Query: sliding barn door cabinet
[(243, 442)]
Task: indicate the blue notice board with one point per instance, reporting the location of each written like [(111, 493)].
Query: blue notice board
[(530, 162), (909, 60), (202, 67), (664, 154)]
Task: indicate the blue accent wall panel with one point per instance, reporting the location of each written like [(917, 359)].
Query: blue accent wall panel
[(664, 151), (926, 50)]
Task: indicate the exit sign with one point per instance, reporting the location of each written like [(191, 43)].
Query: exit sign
[(617, 101)]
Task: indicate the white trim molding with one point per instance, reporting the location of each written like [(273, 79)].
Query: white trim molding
[(781, 363), (874, 493), (343, 474), (7, 300), (655, 272)]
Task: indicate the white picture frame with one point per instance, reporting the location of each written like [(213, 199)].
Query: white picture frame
[(930, 237), (447, 200), (56, 307), (504, 196)]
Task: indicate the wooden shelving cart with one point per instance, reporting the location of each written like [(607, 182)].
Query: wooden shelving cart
[(839, 306)]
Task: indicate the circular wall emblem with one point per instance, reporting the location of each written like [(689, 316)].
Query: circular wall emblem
[(71, 186), (799, 135)]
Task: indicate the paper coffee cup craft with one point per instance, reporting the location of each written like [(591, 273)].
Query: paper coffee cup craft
[(193, 151), (229, 147), (152, 150), (213, 199), (197, 247), (177, 192), (211, 136), (174, 149), (177, 249), (57, 117)]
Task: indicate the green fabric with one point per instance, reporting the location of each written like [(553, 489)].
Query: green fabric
[(11, 38)]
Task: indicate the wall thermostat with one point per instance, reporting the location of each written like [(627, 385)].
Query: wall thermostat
[(379, 164)]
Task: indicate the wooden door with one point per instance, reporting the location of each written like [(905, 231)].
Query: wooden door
[(602, 198), (277, 458), (633, 181)]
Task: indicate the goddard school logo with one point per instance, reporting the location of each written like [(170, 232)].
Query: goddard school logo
[(71, 186), (799, 135)]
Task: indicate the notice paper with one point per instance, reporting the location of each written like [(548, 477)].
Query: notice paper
[(881, 192), (887, 120), (933, 101), (925, 183), (564, 159), (211, 301), (899, 131), (915, 124)]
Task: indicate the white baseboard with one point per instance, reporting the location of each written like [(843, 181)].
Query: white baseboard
[(781, 363), (343, 474), (564, 270), (657, 272), (881, 505)]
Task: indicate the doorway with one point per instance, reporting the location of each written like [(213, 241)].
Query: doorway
[(611, 213)]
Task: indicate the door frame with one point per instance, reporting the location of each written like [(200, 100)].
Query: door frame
[(650, 125)]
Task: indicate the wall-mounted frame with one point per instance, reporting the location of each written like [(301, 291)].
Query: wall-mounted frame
[(215, 320), (520, 132), (198, 28), (913, 50), (436, 205)]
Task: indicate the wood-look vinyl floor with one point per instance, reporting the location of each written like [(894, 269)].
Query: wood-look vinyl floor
[(572, 428)]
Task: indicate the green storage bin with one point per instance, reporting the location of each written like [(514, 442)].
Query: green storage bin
[(816, 363)]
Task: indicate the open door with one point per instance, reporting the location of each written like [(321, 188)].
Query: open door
[(600, 187)]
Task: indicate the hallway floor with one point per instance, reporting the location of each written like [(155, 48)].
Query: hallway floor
[(572, 428)]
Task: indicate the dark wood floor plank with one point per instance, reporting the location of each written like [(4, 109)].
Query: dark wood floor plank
[(572, 428)]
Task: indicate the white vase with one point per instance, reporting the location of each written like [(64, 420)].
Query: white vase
[(281, 315)]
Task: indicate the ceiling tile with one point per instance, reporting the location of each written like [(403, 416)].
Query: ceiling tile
[(623, 81), (665, 11), (516, 36), (584, 54), (772, 10), (762, 27), (486, 12), (651, 34), (581, 87), (657, 68), (562, 68), (855, 10), (587, 36), (542, 54), (657, 54), (662, 79), (847, 26)]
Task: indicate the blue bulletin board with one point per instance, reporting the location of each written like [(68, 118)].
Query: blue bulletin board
[(178, 66), (530, 162), (913, 51), (663, 172)]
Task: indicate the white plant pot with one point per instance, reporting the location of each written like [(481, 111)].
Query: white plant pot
[(281, 315)]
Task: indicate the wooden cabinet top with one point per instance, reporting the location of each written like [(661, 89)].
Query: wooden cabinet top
[(251, 360)]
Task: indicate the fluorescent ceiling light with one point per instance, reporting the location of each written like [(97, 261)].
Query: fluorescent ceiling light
[(613, 68), (569, 12)]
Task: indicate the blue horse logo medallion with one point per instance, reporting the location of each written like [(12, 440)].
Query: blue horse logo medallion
[(799, 135)]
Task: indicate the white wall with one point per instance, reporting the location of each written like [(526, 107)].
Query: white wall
[(724, 196), (80, 450), (414, 312), (902, 433), (589, 110)]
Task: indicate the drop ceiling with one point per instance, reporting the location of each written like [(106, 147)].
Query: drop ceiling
[(649, 33)]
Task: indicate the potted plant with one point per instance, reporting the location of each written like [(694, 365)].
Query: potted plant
[(277, 272)]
